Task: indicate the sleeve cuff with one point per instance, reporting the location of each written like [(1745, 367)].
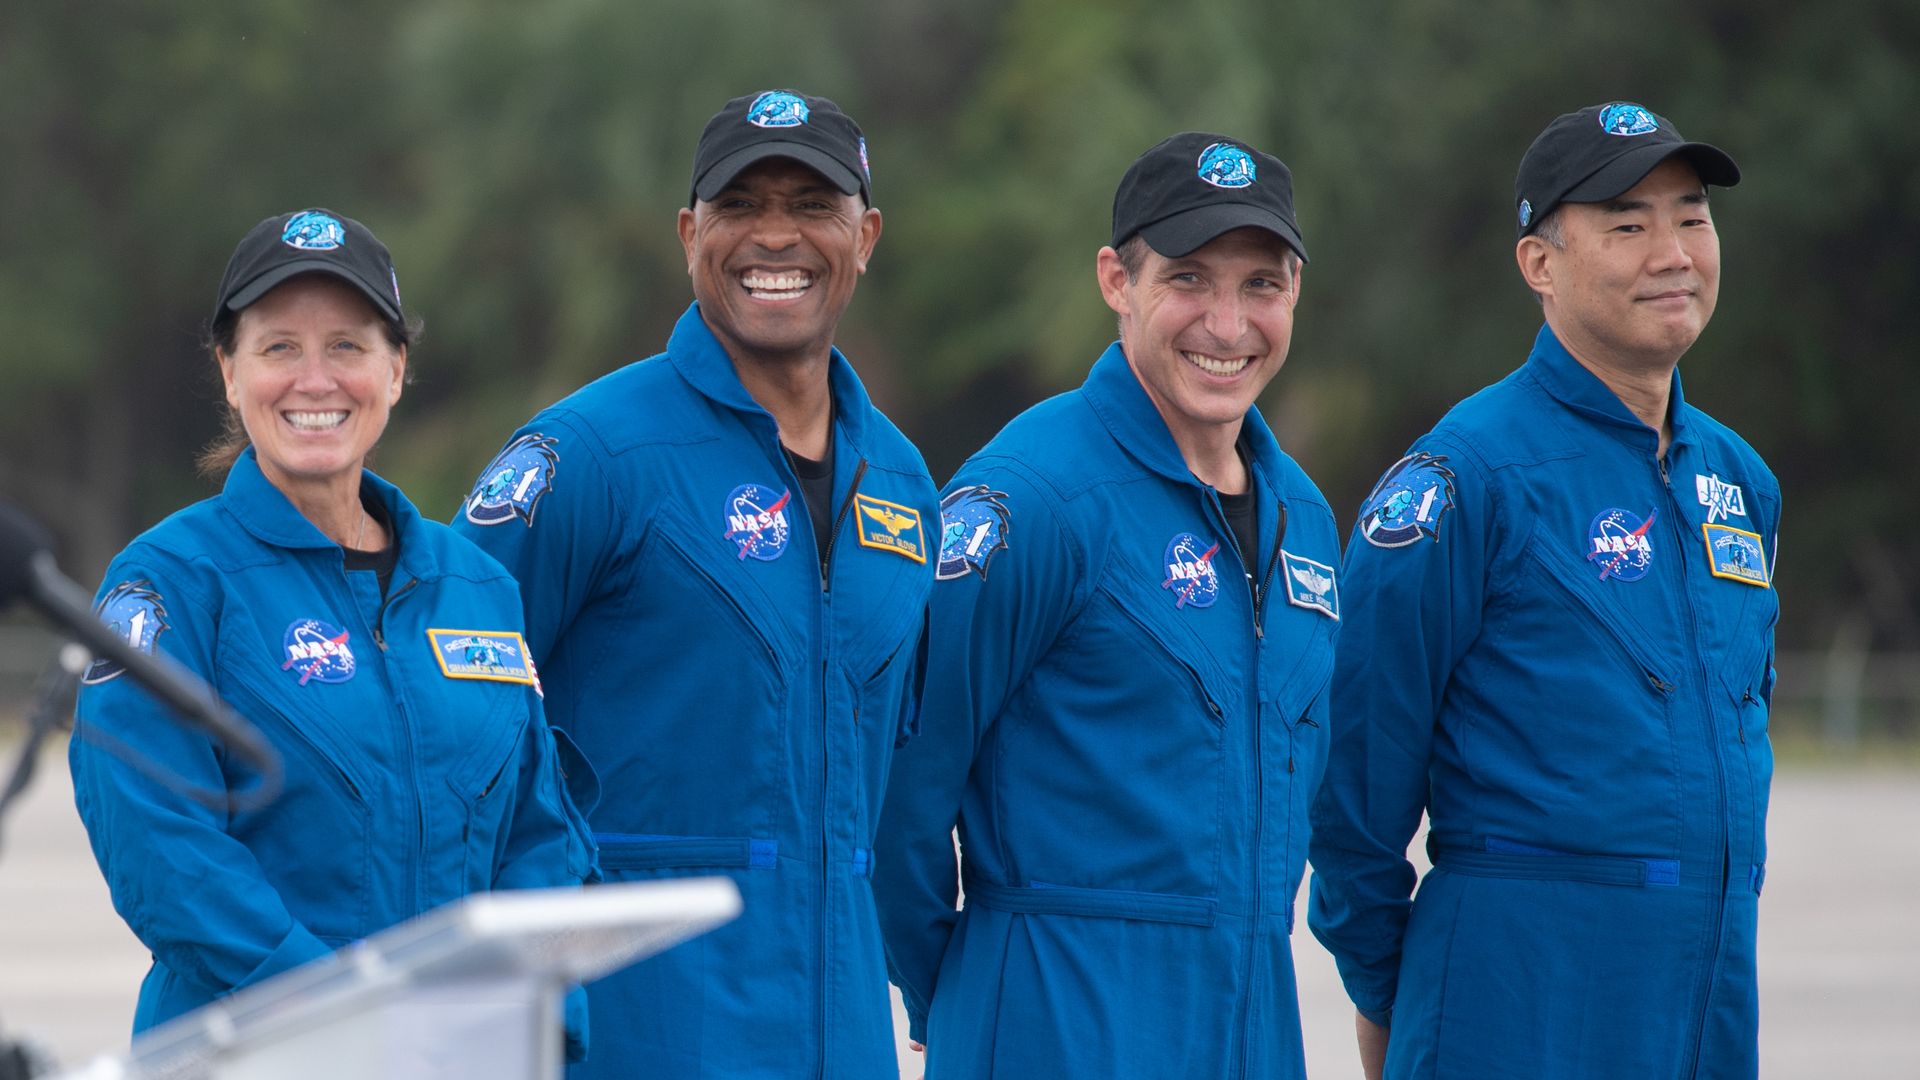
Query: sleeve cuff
[(1382, 1017), (298, 947)]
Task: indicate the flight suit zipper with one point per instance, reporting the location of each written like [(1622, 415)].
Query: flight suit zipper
[(417, 857), (1719, 896), (823, 631)]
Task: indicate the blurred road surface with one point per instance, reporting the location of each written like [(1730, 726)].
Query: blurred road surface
[(1839, 935)]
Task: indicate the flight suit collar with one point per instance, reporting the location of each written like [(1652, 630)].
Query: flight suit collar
[(1580, 390), (1136, 424), (704, 363), (264, 511)]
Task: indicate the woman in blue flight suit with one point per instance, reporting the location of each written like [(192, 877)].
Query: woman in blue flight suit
[(381, 655)]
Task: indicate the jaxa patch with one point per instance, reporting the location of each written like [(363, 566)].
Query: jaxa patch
[(495, 655), (757, 521), (1408, 502), (1619, 545), (515, 482), (318, 651), (1719, 497), (1311, 585), (1736, 554), (974, 524), (1190, 572), (134, 611), (777, 109), (891, 527)]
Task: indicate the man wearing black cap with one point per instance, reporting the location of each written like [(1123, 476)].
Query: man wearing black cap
[(1559, 646), (1125, 709), (723, 552)]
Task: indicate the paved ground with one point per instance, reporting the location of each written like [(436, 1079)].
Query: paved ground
[(1839, 945)]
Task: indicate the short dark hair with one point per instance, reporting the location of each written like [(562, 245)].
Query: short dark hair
[(219, 338), (1133, 256)]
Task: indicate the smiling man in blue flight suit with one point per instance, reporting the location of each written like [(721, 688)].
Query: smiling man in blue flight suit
[(1125, 709), (724, 555), (1559, 646)]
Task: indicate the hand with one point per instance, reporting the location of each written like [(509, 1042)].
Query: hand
[(1373, 1046), (918, 1048)]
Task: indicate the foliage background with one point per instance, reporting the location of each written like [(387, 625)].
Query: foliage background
[(524, 162)]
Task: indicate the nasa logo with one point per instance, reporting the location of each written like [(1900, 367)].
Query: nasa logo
[(1619, 544), (974, 524), (512, 485), (1190, 573), (1736, 554), (133, 611), (757, 522), (1408, 502), (494, 655), (318, 650)]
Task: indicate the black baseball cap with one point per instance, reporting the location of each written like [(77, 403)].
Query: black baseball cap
[(312, 241), (1602, 151), (782, 123), (1194, 186)]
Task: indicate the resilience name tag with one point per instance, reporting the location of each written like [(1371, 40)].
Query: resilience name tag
[(1736, 554), (890, 527), (494, 655)]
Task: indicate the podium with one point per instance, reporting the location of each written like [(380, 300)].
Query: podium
[(472, 989)]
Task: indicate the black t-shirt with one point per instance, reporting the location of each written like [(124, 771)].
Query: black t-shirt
[(381, 562), (1243, 515), (816, 490)]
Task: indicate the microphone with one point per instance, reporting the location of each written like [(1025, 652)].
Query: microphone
[(27, 570)]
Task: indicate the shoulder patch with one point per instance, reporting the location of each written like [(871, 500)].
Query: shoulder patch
[(494, 655), (974, 524), (1408, 502), (512, 485), (890, 526), (1311, 585), (1736, 554), (133, 610)]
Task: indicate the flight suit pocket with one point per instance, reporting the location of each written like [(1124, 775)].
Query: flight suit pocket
[(489, 805)]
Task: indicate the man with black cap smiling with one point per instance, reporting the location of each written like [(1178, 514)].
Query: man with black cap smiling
[(723, 552), (1125, 710), (1559, 646)]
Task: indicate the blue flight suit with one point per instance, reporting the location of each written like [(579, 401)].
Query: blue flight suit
[(1127, 742), (418, 765), (741, 707), (1559, 646)]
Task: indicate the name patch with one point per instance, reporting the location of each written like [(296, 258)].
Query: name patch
[(1311, 585), (891, 527), (1736, 554), (494, 655)]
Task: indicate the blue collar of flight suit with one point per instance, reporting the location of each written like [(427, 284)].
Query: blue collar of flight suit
[(1570, 383), (703, 362), (265, 512), (1135, 423)]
